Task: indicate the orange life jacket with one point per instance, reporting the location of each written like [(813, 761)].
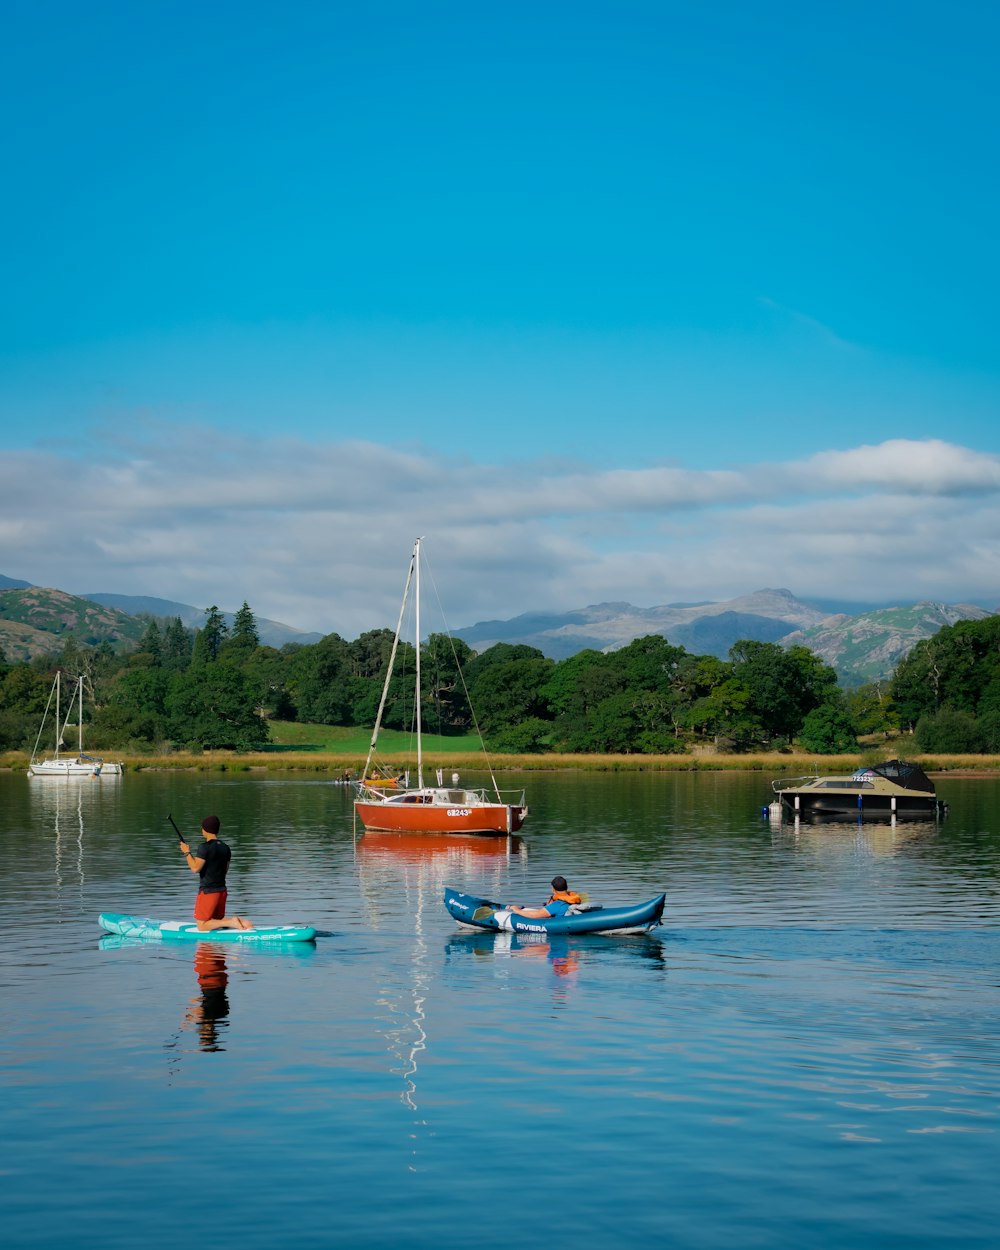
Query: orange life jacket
[(566, 896)]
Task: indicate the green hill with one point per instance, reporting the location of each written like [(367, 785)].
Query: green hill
[(36, 621)]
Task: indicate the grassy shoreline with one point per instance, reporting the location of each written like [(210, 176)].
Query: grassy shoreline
[(339, 763), (297, 746)]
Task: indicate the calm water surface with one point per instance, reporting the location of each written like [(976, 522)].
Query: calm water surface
[(807, 1054)]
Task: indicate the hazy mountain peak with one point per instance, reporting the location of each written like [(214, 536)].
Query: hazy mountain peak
[(865, 646)]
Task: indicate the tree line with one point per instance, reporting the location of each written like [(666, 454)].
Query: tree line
[(947, 690), (217, 687)]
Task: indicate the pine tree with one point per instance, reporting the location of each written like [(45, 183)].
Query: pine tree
[(244, 639), (209, 639), (151, 644), (176, 648)]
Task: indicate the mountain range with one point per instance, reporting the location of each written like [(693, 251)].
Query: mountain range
[(862, 644), (36, 620)]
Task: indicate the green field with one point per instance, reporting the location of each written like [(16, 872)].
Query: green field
[(328, 748), (292, 736)]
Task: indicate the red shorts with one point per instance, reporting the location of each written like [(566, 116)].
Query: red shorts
[(210, 906)]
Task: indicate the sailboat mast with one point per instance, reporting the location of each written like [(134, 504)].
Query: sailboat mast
[(416, 584), (79, 717), (388, 671), (59, 725)]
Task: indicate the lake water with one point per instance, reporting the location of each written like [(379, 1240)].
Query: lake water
[(806, 1054)]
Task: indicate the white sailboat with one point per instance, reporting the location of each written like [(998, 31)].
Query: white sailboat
[(66, 764), (381, 804)]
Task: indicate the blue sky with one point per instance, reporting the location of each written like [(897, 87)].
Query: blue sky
[(635, 301)]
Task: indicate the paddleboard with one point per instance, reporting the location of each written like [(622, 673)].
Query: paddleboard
[(181, 930)]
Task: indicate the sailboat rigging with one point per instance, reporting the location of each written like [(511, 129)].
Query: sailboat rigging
[(383, 805), (68, 765)]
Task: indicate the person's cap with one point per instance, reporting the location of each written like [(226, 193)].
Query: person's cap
[(559, 883), (210, 825)]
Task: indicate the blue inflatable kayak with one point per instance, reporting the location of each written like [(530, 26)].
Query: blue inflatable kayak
[(181, 930), (480, 913)]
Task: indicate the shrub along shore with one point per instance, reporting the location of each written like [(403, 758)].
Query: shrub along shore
[(342, 764)]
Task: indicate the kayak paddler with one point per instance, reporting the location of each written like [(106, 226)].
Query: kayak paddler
[(560, 901)]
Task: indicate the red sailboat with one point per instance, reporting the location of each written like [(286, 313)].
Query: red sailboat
[(386, 804)]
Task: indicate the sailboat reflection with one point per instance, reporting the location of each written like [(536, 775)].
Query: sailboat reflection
[(65, 808), (445, 849), (403, 875), (413, 863), (406, 1034)]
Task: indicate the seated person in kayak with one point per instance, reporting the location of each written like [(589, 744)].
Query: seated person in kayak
[(211, 863), (561, 900)]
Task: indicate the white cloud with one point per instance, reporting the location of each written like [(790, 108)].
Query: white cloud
[(925, 467), (318, 535)]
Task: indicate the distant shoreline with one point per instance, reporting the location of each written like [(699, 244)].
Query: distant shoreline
[(773, 763)]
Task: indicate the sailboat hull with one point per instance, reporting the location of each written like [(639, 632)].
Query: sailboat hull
[(422, 817), (66, 768)]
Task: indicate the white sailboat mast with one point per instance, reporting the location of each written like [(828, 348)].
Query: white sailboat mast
[(420, 753), (63, 726), (390, 666)]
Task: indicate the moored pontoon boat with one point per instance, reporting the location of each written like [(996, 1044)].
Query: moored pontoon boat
[(895, 788)]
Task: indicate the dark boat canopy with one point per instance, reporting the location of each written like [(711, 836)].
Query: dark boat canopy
[(903, 773)]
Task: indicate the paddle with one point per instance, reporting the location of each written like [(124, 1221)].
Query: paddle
[(180, 836)]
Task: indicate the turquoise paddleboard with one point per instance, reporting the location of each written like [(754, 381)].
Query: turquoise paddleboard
[(182, 930)]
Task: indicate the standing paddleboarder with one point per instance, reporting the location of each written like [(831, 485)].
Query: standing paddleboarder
[(211, 863)]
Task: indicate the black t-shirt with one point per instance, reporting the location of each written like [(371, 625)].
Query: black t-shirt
[(216, 855)]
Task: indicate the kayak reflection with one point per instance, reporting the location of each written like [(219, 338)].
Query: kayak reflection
[(563, 958), (565, 954)]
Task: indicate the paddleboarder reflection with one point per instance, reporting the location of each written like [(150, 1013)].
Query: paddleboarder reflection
[(209, 1010)]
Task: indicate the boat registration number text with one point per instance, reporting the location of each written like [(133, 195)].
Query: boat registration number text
[(459, 811)]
